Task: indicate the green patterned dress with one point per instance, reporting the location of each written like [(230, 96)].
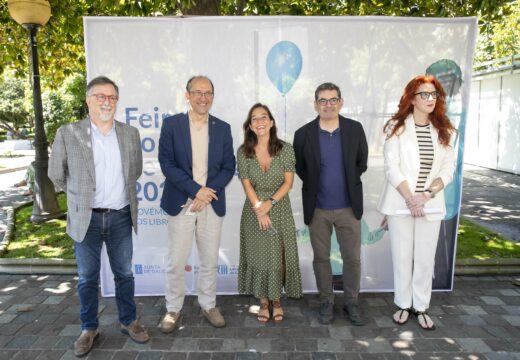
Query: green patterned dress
[(268, 259)]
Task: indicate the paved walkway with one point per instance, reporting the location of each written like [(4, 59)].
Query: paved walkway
[(480, 319)]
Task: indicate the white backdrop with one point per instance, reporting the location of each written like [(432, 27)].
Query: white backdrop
[(370, 58)]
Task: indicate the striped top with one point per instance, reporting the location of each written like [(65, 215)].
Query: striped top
[(424, 139)]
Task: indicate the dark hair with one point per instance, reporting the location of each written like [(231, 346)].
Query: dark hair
[(326, 86), (438, 116), (250, 139), (198, 77), (101, 80)]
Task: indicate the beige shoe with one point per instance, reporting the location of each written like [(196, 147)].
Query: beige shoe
[(214, 317), (169, 322), (85, 341), (136, 331)]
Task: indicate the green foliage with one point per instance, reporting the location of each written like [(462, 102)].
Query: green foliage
[(477, 242), (67, 104), (13, 113), (43, 241), (61, 39)]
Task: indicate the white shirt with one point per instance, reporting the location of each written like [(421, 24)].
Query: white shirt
[(111, 191)]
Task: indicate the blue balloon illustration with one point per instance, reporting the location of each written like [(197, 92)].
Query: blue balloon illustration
[(283, 65)]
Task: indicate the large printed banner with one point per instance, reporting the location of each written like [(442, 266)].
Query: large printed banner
[(278, 61)]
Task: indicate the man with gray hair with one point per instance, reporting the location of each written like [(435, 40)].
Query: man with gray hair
[(331, 154), (97, 161), (197, 159)]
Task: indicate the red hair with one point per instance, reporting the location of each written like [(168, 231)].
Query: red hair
[(438, 116)]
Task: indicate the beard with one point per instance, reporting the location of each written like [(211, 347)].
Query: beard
[(106, 113)]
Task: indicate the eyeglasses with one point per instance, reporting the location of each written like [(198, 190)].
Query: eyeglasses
[(101, 98), (425, 95), (332, 101), (260, 119), (199, 94)]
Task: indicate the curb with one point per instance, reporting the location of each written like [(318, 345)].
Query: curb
[(5, 171), (38, 266), (500, 266)]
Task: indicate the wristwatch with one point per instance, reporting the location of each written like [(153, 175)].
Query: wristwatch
[(432, 194), (273, 201)]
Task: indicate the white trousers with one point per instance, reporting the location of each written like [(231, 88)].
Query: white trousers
[(414, 243), (206, 225)]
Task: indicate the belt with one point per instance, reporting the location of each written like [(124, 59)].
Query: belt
[(103, 210)]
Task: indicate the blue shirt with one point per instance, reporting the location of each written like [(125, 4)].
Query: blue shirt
[(333, 193), (111, 189)]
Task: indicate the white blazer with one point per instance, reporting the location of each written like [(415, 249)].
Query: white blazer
[(402, 162)]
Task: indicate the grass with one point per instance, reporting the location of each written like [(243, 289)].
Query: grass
[(477, 242), (43, 241), (49, 240)]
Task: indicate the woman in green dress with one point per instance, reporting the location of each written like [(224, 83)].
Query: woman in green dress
[(268, 250)]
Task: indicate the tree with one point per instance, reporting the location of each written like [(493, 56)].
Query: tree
[(13, 112), (61, 40)]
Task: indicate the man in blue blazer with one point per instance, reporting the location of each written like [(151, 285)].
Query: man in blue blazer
[(196, 157), (331, 154)]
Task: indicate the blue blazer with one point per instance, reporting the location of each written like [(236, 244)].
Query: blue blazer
[(175, 158)]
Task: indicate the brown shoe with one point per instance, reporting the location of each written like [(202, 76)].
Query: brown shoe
[(214, 317), (84, 343), (169, 322), (136, 331)]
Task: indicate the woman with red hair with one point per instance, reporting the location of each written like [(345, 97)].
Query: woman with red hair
[(419, 163)]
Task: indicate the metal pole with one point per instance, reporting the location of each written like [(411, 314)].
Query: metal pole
[(45, 205)]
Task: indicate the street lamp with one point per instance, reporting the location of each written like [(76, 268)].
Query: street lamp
[(32, 14)]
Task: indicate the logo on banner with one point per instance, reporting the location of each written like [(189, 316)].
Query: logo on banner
[(222, 269), (138, 269), (188, 268)]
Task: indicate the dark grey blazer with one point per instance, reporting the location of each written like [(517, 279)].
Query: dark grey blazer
[(308, 158), (71, 167)]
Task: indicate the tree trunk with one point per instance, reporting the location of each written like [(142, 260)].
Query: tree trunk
[(203, 7)]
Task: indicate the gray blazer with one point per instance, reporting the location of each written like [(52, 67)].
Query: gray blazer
[(71, 167)]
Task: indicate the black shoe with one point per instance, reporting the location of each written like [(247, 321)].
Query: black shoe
[(354, 314), (326, 314)]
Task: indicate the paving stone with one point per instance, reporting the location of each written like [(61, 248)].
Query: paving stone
[(492, 300), (97, 354), (473, 310), (514, 320), (26, 355), (332, 345), (172, 356), (210, 344), (45, 342), (125, 355), (474, 320), (323, 356), (234, 345), (248, 355), (473, 345), (509, 292), (6, 318), (379, 346), (185, 344), (258, 345), (299, 356), (283, 345), (150, 355), (53, 300), (199, 356), (223, 356), (340, 332), (274, 356), (50, 354), (347, 356), (112, 342), (71, 330), (21, 342)]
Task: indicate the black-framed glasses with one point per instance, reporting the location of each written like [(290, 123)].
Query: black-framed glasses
[(332, 101), (199, 94), (425, 95), (101, 98)]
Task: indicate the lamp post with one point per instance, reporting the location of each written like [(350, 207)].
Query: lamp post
[(32, 14)]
